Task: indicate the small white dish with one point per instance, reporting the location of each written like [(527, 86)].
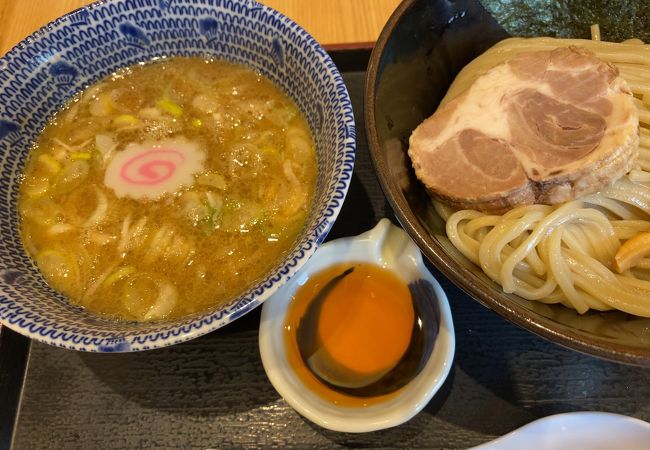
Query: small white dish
[(579, 430), (391, 248)]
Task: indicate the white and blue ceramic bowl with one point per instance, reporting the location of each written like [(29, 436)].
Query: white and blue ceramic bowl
[(47, 68)]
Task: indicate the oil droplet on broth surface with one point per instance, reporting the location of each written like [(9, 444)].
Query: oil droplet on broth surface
[(353, 335)]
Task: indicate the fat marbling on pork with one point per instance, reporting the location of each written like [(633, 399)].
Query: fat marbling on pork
[(542, 127)]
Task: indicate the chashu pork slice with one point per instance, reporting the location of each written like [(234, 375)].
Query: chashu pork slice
[(543, 127)]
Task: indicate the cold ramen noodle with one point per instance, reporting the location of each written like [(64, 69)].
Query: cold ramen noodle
[(167, 188), (546, 145)]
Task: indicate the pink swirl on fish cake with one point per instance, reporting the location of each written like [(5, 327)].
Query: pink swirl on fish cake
[(147, 165), (148, 170)]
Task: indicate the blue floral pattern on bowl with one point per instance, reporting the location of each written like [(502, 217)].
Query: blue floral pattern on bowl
[(47, 68)]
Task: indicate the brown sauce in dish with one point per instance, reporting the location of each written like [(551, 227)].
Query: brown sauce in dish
[(353, 335)]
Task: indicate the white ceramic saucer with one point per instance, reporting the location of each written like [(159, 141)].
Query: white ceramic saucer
[(579, 430), (387, 246)]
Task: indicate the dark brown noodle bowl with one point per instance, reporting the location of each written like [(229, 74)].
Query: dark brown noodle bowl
[(421, 49)]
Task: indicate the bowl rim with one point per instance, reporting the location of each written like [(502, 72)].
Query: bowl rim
[(195, 325), (415, 395), (456, 272), (564, 427)]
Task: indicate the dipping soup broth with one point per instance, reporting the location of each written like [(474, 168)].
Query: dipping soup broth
[(167, 189)]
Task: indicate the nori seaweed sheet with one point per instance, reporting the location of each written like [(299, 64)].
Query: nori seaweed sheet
[(618, 19)]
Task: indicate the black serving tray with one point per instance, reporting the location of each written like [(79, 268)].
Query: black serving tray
[(212, 392)]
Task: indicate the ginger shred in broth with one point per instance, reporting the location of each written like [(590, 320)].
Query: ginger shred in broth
[(167, 188), (353, 334)]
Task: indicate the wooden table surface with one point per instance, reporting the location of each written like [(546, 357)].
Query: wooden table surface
[(331, 22)]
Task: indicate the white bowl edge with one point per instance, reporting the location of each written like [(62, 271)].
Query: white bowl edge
[(584, 430), (390, 247)]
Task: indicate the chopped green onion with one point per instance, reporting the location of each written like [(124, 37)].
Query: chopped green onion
[(125, 120), (50, 163), (80, 156), (170, 107), (116, 276)]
